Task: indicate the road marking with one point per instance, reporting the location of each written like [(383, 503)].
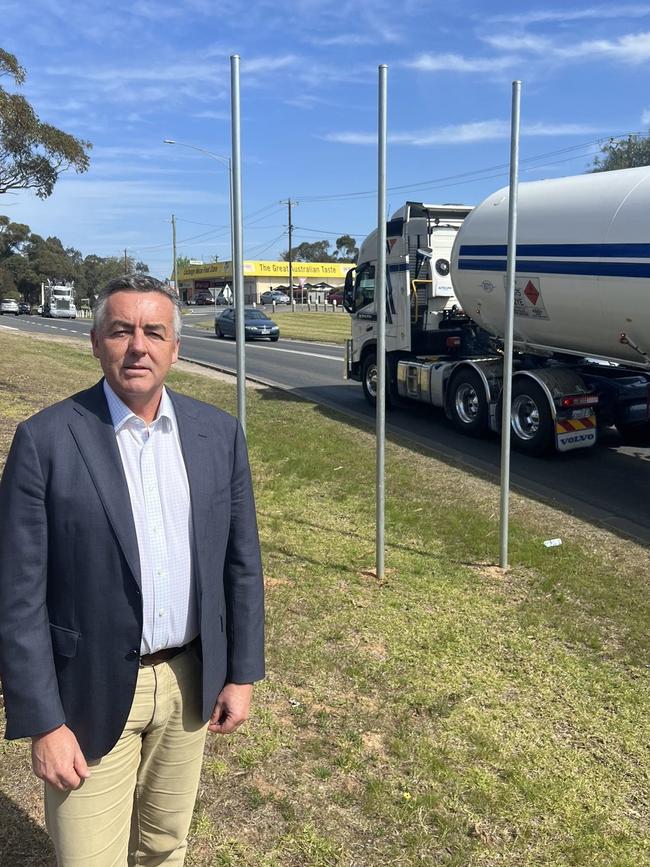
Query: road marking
[(10, 328), (272, 349)]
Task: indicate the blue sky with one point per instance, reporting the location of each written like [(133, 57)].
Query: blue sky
[(128, 75)]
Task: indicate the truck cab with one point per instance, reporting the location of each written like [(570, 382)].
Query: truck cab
[(422, 314)]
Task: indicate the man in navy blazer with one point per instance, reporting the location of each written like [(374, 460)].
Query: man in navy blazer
[(131, 592)]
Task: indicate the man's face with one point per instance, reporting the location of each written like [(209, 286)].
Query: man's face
[(136, 345)]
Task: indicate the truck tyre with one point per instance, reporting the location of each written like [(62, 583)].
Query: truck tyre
[(635, 434), (369, 380), (532, 421), (467, 403)]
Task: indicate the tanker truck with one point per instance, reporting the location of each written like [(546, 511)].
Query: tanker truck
[(582, 311)]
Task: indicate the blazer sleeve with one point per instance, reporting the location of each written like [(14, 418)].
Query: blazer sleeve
[(243, 579), (31, 695)]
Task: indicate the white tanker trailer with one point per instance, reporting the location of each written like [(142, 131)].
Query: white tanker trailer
[(582, 310)]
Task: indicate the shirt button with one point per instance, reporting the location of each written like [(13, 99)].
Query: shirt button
[(161, 613)]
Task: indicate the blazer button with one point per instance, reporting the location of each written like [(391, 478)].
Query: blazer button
[(133, 654)]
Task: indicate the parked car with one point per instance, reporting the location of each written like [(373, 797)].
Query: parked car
[(272, 295), (336, 295), (203, 299), (9, 305), (24, 307), (256, 324)]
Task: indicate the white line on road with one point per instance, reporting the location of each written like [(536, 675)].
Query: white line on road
[(338, 360), (10, 328)]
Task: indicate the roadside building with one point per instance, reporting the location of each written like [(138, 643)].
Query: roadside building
[(312, 281)]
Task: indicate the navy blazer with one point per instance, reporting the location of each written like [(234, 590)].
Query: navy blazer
[(70, 596)]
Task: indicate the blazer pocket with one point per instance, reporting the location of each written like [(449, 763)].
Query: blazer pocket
[(64, 641)]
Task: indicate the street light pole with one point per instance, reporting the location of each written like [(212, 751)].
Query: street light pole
[(225, 161)]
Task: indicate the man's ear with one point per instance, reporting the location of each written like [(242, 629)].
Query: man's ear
[(176, 351), (94, 342)]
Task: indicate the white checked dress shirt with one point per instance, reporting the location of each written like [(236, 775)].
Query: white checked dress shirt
[(160, 499)]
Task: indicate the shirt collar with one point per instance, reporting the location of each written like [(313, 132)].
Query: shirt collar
[(121, 414)]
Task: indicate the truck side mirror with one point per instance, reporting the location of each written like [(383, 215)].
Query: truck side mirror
[(348, 291)]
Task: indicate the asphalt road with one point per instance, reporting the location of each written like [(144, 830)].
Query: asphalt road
[(608, 485)]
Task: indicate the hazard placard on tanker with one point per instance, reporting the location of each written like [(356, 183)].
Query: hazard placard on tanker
[(528, 298)]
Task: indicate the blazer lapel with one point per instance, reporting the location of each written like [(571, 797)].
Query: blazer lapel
[(197, 454), (94, 434)]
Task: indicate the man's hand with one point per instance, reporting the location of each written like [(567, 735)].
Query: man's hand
[(57, 759), (231, 709)]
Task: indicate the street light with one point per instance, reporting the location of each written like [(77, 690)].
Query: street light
[(225, 161)]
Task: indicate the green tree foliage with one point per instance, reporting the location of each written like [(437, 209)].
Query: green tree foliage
[(346, 249), (32, 153), (28, 259), (319, 251), (12, 236), (623, 154)]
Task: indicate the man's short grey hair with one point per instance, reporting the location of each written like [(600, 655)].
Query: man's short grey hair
[(136, 283)]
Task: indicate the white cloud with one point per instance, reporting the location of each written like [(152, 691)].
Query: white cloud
[(631, 48), (458, 63), (522, 42), (566, 15), (351, 39), (465, 133), (209, 114)]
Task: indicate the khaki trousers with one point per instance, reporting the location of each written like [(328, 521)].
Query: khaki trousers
[(136, 807)]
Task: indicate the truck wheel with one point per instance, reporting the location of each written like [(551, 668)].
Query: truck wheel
[(532, 420), (635, 434), (369, 381), (467, 403)]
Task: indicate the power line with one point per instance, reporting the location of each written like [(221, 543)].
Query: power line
[(325, 232), (258, 250), (475, 174)]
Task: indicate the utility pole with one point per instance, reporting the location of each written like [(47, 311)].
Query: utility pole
[(174, 254), (126, 263), (289, 203)]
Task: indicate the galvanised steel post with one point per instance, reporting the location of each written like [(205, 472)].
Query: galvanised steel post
[(509, 325), (380, 306), (237, 246)]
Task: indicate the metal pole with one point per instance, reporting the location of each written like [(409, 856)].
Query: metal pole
[(509, 325), (237, 246), (175, 270), (232, 222), (126, 263), (380, 306)]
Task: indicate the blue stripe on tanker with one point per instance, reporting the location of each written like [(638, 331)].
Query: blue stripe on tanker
[(545, 266), (592, 251)]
